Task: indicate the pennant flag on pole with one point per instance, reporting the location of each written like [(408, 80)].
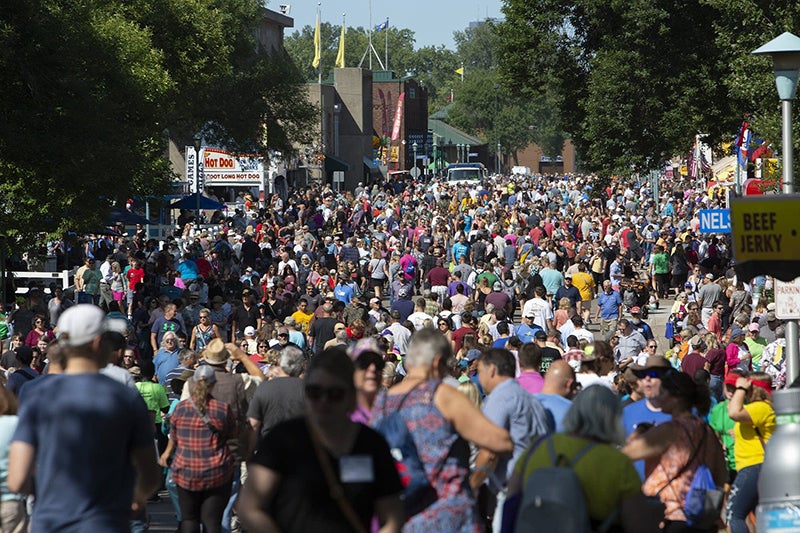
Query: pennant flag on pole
[(317, 44), (382, 26), (340, 54), (460, 71)]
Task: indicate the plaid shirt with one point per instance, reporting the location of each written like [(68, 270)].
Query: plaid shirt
[(202, 458)]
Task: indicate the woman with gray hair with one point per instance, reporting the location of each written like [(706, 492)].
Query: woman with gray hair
[(592, 431), (438, 417)]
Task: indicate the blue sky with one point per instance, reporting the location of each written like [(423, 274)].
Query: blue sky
[(433, 21)]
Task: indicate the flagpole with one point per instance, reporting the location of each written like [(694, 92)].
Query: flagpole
[(370, 33), (386, 50), (318, 46)]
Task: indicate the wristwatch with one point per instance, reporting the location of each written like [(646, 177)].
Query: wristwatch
[(741, 388)]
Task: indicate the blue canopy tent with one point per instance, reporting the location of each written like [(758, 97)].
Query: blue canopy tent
[(123, 216), (190, 202)]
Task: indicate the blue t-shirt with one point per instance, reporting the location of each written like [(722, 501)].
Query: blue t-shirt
[(459, 249), (556, 407), (609, 305), (551, 279), (526, 333), (84, 428), (343, 293), (8, 423), (188, 270), (637, 413), (511, 407)]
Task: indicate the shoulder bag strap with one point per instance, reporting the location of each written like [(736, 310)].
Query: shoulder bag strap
[(690, 461), (336, 491), (208, 423)]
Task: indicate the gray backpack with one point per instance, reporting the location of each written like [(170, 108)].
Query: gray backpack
[(553, 499)]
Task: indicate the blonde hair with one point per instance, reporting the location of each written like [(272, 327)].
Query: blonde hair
[(564, 303), (200, 394), (470, 390)]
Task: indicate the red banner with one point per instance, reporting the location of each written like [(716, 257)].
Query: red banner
[(398, 117)]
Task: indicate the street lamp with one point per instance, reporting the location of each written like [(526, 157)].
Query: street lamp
[(466, 154), (458, 153), (414, 149), (198, 144), (785, 53), (435, 156), (497, 166)]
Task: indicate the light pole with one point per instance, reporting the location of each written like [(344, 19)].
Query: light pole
[(198, 146), (435, 157), (466, 153), (785, 53), (458, 153), (497, 166), (779, 478), (414, 147), (337, 110)]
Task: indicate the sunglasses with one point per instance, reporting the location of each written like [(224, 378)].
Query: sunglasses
[(652, 346), (286, 335), (317, 393), (653, 374), (203, 316), (364, 361)]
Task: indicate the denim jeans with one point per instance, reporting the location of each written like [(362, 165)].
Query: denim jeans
[(227, 516), (172, 489), (715, 385), (743, 498)]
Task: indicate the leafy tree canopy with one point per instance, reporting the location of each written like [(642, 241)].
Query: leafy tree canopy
[(92, 87), (633, 81)]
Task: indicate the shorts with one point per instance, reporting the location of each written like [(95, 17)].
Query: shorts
[(376, 282), (118, 296)]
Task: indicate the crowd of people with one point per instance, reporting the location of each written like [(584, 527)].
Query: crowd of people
[(505, 323)]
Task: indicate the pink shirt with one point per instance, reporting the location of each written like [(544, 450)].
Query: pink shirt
[(531, 381)]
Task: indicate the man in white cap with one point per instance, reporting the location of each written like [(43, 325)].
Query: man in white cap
[(93, 458)]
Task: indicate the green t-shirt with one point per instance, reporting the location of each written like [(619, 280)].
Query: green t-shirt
[(154, 396), (722, 424), (755, 347), (661, 263), (3, 326), (606, 474)]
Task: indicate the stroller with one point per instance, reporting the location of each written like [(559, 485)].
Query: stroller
[(635, 294)]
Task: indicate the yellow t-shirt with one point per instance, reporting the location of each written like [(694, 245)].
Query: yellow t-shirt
[(302, 319), (584, 282), (606, 474), (747, 447)]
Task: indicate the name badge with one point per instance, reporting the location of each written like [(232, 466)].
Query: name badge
[(356, 469)]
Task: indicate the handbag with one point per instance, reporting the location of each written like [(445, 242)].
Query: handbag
[(703, 503)]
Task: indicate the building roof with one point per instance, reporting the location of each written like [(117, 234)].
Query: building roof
[(443, 113), (450, 135)]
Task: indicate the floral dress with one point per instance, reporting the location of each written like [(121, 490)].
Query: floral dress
[(434, 436)]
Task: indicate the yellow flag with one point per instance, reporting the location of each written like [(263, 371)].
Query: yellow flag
[(340, 54), (460, 71), (317, 44)]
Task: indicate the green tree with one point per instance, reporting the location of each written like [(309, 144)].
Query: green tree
[(749, 80), (83, 93), (633, 81), (91, 87), (489, 108)]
